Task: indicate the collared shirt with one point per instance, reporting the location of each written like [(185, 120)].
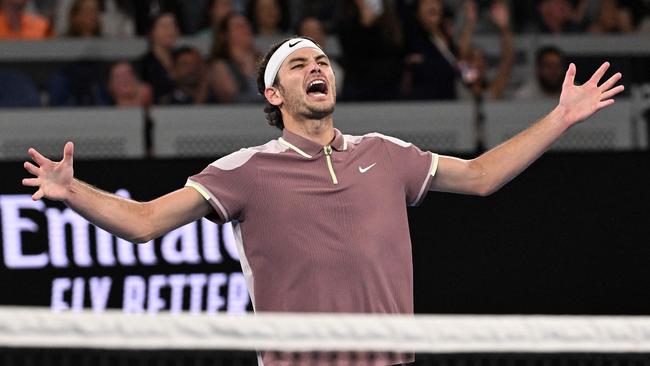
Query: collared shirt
[(322, 228)]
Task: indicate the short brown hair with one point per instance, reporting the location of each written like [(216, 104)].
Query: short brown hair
[(273, 115)]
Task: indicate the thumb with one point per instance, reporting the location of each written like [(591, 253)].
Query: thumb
[(570, 76), (68, 152)]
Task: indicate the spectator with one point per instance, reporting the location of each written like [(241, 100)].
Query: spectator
[(79, 83), (474, 66), (189, 74), (323, 10), (124, 87), (612, 18), (313, 28), (156, 65), (83, 20), (16, 23), (270, 21), (484, 24), (640, 11), (432, 60), (234, 59), (549, 73), (127, 91), (559, 16), (372, 44), (217, 11), (115, 17), (147, 10), (268, 17)]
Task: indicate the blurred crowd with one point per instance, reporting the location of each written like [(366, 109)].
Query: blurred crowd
[(389, 49)]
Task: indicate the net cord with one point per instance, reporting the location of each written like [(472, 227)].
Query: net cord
[(36, 327)]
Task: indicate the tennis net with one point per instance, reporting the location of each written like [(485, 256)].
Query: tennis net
[(34, 337)]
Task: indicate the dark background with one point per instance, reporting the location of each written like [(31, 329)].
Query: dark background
[(569, 236)]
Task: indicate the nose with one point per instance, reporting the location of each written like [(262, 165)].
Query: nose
[(314, 67)]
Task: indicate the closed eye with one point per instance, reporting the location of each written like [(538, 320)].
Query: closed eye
[(296, 66)]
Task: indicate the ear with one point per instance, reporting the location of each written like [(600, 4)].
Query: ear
[(273, 96)]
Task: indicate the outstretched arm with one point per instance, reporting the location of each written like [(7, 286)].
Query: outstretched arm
[(137, 222), (501, 17), (490, 171)]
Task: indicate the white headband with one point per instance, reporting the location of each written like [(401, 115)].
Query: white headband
[(287, 48)]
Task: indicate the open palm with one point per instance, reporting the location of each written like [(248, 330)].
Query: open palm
[(581, 101), (52, 178)]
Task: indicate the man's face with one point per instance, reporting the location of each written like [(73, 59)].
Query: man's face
[(268, 13), (122, 81), (165, 31), (429, 13), (87, 17), (550, 72), (188, 70), (307, 84), (240, 32)]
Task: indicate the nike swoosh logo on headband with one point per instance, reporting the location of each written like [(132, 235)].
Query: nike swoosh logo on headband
[(291, 45)]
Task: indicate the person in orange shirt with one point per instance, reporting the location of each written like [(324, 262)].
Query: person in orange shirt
[(15, 23)]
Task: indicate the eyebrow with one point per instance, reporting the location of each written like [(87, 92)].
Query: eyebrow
[(297, 59), (304, 59)]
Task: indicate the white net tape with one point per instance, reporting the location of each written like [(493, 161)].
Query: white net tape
[(30, 327)]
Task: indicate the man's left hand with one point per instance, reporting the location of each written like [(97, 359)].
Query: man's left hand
[(578, 102)]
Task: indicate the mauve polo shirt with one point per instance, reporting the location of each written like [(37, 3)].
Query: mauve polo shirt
[(322, 228)]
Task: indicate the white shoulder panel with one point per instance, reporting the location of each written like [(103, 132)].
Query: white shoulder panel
[(241, 157), (357, 139)]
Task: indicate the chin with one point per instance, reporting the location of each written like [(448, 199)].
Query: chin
[(319, 111), (319, 114)]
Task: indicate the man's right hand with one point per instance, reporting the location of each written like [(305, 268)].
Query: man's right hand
[(137, 222), (53, 179)]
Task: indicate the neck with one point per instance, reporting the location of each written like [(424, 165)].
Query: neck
[(320, 131), (163, 55)]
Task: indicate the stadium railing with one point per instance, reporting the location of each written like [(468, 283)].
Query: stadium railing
[(98, 132)]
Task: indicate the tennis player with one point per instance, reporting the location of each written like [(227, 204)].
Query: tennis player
[(319, 216)]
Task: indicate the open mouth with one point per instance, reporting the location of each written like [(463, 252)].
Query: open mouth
[(317, 88)]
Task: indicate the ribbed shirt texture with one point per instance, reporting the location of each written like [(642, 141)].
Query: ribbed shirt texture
[(319, 236)]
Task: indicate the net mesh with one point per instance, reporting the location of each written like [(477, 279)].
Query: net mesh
[(39, 337)]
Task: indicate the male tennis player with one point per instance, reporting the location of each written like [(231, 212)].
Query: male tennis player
[(319, 216)]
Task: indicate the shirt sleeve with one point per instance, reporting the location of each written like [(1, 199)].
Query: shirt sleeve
[(226, 185), (414, 167)]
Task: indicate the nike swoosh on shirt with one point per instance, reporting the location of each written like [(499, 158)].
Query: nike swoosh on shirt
[(293, 44), (363, 170)]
